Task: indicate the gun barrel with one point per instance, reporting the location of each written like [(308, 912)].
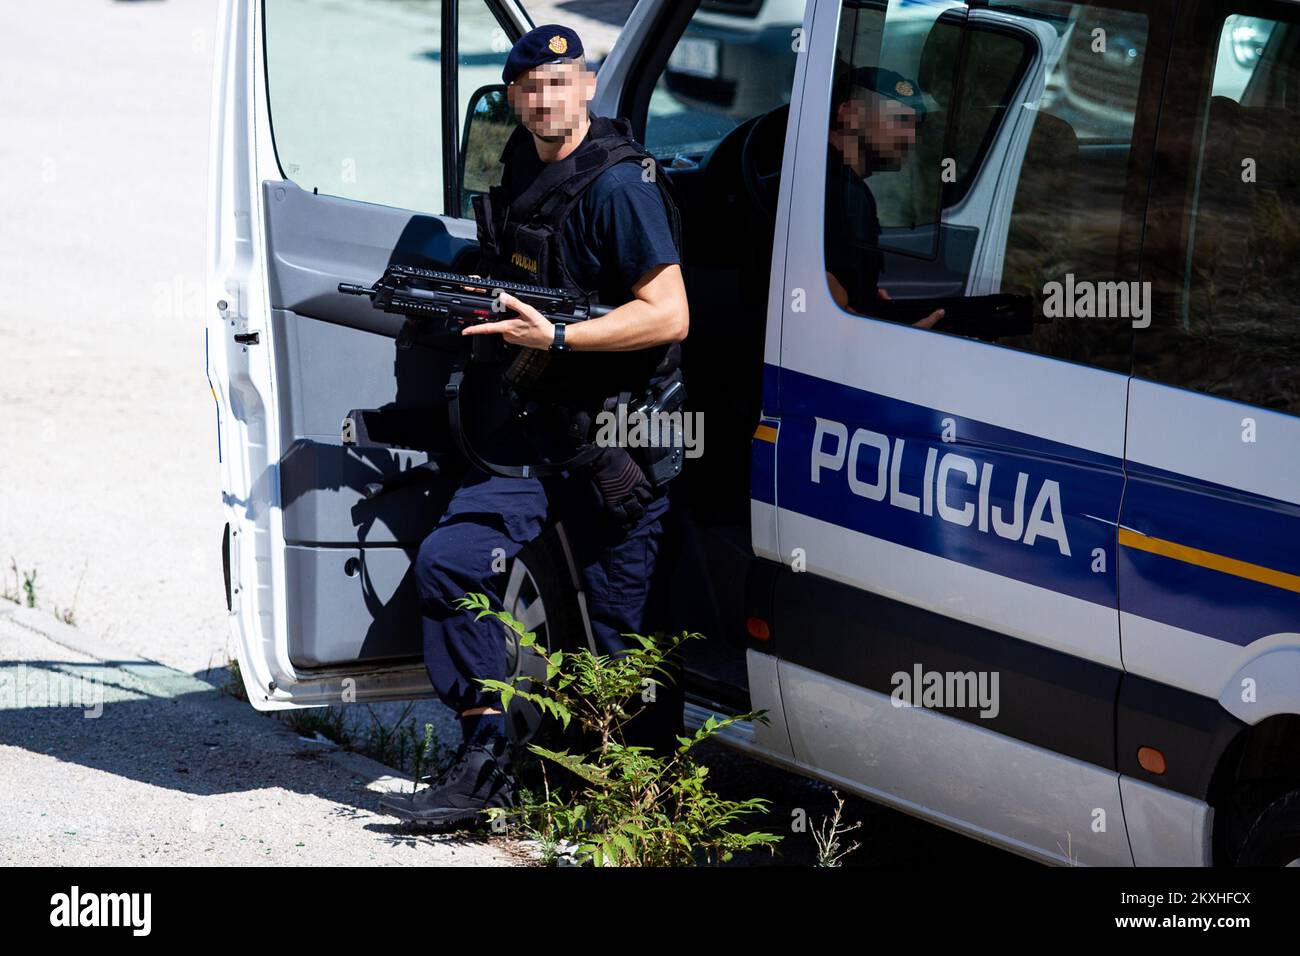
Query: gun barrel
[(348, 288)]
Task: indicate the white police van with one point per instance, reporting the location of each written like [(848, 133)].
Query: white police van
[(1073, 551)]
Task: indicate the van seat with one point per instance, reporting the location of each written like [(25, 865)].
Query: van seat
[(1041, 230)]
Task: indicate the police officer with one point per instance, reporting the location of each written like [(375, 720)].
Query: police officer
[(581, 206), (875, 115)]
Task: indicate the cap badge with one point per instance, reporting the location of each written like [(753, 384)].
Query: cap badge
[(903, 88), (559, 45)]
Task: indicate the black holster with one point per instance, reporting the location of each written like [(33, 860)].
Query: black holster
[(662, 459)]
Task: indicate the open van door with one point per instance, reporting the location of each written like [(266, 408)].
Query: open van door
[(328, 163), (336, 150)]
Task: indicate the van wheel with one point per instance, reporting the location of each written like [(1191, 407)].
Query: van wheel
[(1274, 839), (539, 593)]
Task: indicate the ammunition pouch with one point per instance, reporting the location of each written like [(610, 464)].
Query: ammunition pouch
[(621, 488)]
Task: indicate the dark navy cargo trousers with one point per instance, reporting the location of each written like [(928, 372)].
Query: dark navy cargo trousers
[(490, 518)]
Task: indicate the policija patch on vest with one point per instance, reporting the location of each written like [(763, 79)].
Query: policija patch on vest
[(525, 263)]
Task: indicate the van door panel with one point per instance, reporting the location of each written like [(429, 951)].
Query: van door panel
[(1209, 568), (351, 596), (320, 573)]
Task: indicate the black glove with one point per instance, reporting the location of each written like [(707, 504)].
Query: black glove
[(622, 490)]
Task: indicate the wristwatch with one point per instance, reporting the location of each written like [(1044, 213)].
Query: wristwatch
[(557, 344)]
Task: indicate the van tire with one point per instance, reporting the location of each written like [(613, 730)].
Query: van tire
[(1274, 838)]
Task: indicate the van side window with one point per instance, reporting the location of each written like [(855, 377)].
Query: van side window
[(1231, 237), (355, 99), (1065, 239), (890, 130), (355, 94), (734, 61), (1017, 176)]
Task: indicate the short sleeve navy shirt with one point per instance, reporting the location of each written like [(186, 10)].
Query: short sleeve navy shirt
[(618, 232)]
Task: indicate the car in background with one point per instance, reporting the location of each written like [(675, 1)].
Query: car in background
[(712, 67), (1098, 86), (1240, 50), (737, 59)]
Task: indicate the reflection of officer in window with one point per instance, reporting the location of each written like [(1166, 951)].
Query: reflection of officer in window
[(611, 230), (875, 114)]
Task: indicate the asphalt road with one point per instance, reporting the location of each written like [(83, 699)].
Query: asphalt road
[(128, 762)]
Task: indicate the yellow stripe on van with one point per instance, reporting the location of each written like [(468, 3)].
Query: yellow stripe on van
[(765, 433), (1208, 559)]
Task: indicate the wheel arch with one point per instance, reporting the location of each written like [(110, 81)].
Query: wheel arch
[(1260, 765)]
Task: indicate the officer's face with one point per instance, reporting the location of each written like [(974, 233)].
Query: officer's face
[(883, 129), (552, 99)]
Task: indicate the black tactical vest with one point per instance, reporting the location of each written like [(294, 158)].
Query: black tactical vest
[(521, 241)]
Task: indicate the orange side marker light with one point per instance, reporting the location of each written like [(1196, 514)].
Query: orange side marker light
[(1151, 760)]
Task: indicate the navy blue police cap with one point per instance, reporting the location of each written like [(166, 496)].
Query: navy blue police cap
[(549, 43), (887, 83)]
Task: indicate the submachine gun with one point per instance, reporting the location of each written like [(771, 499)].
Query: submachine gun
[(438, 305), (441, 304)]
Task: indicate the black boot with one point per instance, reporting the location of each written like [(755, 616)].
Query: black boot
[(477, 778)]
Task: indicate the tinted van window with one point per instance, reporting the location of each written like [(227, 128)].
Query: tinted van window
[(1228, 252)]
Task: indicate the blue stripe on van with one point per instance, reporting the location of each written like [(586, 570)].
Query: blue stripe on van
[(1204, 601), (1159, 504), (1213, 517), (1224, 522), (1089, 486)]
